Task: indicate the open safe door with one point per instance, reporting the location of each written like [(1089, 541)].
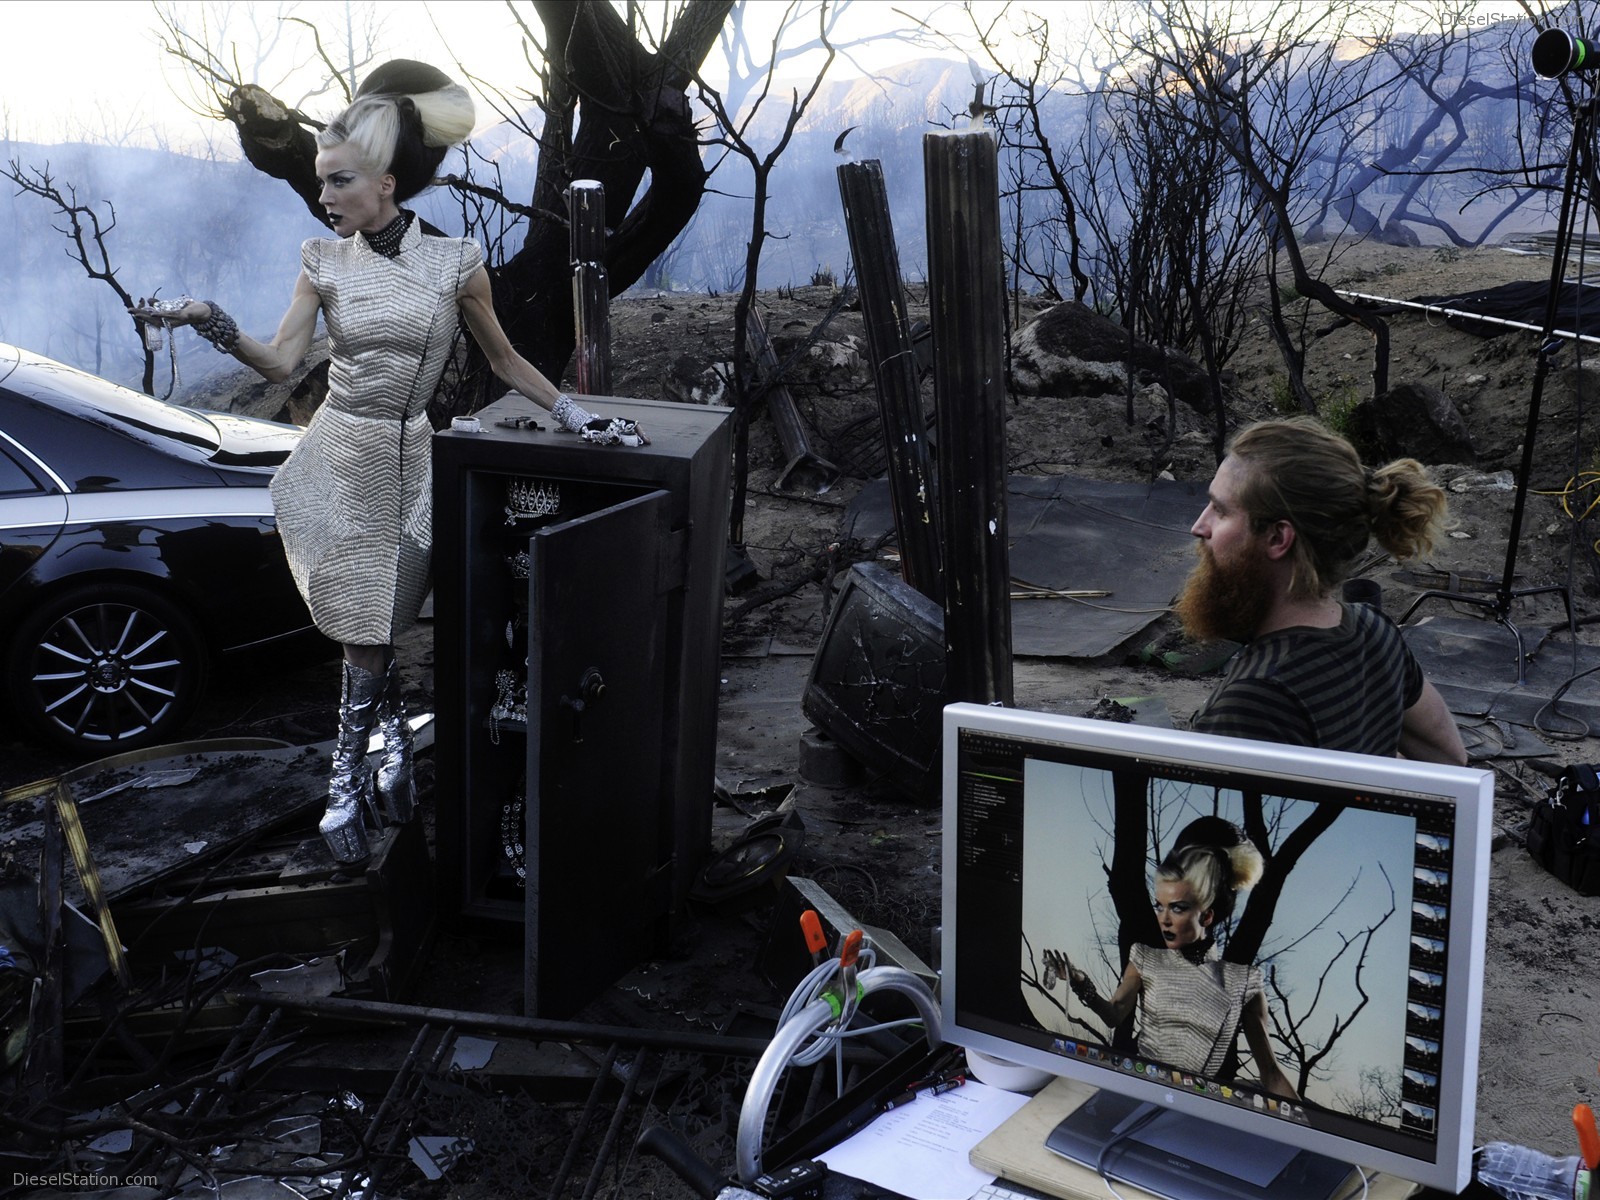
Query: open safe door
[(598, 841)]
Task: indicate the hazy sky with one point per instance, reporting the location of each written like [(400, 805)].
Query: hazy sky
[(94, 69)]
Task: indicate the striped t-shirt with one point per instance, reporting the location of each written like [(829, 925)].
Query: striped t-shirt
[(1344, 688)]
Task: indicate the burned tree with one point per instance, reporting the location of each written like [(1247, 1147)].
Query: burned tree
[(735, 137), (1266, 87), (86, 233), (1443, 117)]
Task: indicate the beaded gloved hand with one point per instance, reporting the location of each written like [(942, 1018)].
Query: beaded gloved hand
[(569, 415), (601, 431)]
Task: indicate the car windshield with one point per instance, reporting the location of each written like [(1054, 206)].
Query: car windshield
[(111, 405)]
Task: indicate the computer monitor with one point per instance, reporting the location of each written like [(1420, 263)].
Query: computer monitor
[(1357, 955)]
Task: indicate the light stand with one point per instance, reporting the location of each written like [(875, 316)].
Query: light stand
[(1499, 604)]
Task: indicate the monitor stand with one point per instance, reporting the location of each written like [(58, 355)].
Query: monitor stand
[(1188, 1158)]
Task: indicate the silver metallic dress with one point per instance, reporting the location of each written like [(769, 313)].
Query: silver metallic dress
[(354, 501), (1190, 1013)]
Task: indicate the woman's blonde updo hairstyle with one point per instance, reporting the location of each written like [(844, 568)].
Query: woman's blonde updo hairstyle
[(404, 119), (1217, 860)]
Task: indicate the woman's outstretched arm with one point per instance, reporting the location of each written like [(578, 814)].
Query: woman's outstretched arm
[(276, 360), (1113, 1011)]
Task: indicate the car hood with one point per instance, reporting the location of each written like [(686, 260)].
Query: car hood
[(250, 442)]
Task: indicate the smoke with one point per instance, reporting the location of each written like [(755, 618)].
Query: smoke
[(171, 224)]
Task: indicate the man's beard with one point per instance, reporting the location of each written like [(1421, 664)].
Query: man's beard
[(1225, 600)]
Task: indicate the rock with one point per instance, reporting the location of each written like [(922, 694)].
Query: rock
[(1071, 350), (1411, 420), (690, 380), (1495, 481)]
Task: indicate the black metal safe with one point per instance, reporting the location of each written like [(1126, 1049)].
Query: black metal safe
[(577, 621)]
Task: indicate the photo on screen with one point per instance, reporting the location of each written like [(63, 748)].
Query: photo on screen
[(1323, 964)]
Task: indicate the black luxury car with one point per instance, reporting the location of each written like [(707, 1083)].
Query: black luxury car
[(137, 545)]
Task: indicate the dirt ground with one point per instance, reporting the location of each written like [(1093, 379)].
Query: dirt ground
[(877, 852)]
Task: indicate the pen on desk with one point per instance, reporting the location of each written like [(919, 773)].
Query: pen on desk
[(905, 1097), (945, 1075)]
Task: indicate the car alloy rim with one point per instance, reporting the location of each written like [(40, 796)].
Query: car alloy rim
[(106, 672)]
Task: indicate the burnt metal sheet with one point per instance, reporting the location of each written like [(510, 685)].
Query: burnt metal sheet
[(207, 803), (1129, 540)]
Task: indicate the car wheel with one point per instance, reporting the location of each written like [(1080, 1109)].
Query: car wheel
[(100, 670)]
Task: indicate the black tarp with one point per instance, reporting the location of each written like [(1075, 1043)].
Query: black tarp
[(1577, 310)]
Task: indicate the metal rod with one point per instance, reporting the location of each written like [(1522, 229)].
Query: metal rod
[(1461, 312), (608, 1144), (912, 491), (591, 287), (403, 1115), (377, 1126), (602, 1077), (533, 1028), (966, 292)]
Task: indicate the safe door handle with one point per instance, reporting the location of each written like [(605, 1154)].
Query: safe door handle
[(591, 686)]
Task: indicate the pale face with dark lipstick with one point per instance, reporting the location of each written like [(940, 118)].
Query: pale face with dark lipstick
[(1183, 922), (355, 199)]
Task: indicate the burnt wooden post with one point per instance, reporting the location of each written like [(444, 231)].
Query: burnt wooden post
[(966, 295), (591, 290), (894, 372)]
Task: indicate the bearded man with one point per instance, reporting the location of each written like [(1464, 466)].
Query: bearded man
[(1290, 509)]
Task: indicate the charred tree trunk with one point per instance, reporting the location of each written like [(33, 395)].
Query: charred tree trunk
[(633, 116)]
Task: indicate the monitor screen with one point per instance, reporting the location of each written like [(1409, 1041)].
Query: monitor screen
[(1334, 1009)]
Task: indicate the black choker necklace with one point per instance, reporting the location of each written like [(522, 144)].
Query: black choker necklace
[(386, 241), (1196, 952)]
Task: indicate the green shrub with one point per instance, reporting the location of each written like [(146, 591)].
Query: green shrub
[(1336, 410), (1283, 401)]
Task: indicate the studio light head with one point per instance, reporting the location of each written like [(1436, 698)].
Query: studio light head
[(1555, 53)]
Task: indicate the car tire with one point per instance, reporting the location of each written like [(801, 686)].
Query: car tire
[(97, 670)]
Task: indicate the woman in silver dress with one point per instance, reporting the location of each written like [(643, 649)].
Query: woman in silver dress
[(354, 502), (1192, 1005)]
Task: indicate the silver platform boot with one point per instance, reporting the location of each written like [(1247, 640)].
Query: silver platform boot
[(397, 785), (350, 781)]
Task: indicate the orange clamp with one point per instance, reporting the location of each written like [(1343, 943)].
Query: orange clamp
[(811, 927), (850, 949)]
